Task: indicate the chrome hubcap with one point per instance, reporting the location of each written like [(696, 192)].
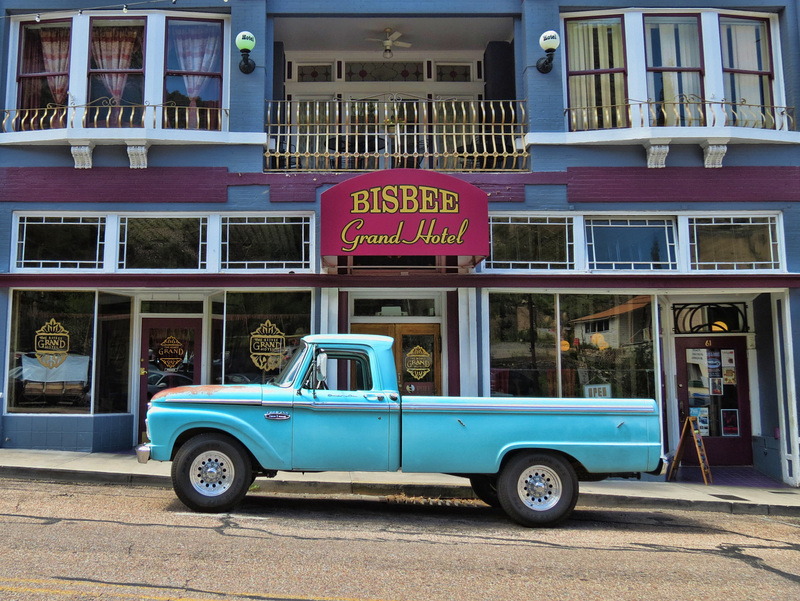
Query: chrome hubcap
[(212, 473), (539, 487)]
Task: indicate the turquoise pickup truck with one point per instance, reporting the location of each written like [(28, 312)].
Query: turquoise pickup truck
[(335, 407)]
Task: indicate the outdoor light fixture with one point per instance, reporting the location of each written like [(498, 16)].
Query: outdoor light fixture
[(245, 42), (549, 41)]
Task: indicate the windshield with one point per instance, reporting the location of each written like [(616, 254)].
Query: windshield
[(289, 371)]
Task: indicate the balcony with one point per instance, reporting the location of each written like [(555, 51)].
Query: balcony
[(369, 134), (686, 111), (106, 114)]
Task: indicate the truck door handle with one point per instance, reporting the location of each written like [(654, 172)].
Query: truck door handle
[(371, 396)]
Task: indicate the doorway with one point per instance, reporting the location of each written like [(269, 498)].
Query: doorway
[(171, 355), (417, 354), (713, 385)]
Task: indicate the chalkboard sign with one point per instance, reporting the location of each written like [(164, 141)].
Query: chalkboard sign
[(691, 431)]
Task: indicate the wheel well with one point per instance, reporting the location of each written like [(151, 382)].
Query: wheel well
[(576, 465), (189, 434)]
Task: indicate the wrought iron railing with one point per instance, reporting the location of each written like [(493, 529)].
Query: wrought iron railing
[(106, 113), (369, 134), (686, 111)]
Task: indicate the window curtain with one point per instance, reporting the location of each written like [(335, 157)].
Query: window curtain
[(55, 53), (673, 45), (112, 49), (596, 99), (32, 62), (198, 48), (745, 47)]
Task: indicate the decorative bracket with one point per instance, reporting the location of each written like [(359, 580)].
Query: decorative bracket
[(82, 155), (137, 155), (656, 155), (713, 154)]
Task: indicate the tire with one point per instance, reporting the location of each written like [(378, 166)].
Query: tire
[(211, 473), (538, 489), (485, 488)]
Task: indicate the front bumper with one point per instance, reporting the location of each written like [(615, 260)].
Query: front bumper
[(143, 453)]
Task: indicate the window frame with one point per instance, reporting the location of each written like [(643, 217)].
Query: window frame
[(670, 225), (20, 76), (777, 250), (304, 264), (20, 226), (515, 266)]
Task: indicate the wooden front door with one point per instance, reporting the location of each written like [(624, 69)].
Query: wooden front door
[(417, 354), (170, 356), (713, 384)]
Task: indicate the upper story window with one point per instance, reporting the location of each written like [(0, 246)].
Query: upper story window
[(674, 69), (116, 71), (43, 74), (266, 242), (747, 70), (596, 73), (142, 70), (682, 70), (162, 243), (60, 242), (619, 243), (726, 243), (520, 242), (193, 77)]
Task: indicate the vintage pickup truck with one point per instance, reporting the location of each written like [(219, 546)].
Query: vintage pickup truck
[(335, 407)]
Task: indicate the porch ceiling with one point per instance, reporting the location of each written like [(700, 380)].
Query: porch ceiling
[(426, 34)]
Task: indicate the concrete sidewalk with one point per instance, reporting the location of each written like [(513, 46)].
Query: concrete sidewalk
[(123, 468)]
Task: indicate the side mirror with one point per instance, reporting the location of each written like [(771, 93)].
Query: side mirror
[(321, 370)]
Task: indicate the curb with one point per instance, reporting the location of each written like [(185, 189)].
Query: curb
[(386, 489)]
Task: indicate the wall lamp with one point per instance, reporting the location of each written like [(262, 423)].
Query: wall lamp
[(549, 41), (245, 42)]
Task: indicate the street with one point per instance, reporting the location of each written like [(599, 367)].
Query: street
[(64, 541)]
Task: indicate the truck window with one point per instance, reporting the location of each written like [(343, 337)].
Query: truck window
[(345, 371)]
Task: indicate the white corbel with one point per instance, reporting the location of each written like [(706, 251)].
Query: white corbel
[(137, 155), (713, 153), (657, 152), (82, 155)]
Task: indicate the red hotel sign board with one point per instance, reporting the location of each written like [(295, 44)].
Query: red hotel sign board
[(404, 212)]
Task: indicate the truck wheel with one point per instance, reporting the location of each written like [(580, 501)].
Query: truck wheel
[(485, 488), (211, 473), (538, 489)]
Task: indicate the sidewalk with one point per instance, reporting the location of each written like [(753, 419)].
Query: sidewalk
[(123, 468)]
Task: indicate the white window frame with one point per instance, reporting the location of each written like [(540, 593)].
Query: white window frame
[(670, 265), (516, 266), (303, 265), (66, 220)]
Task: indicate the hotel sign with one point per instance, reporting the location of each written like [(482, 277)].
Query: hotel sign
[(404, 212), (51, 344)]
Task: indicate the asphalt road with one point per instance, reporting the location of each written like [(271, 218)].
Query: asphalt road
[(65, 541)]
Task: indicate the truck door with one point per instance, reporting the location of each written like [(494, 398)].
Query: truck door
[(340, 421)]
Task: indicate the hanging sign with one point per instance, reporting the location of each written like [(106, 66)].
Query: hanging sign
[(400, 212)]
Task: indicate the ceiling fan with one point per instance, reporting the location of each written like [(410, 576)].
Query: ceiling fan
[(389, 41)]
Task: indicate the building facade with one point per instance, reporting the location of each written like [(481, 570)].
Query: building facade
[(614, 218)]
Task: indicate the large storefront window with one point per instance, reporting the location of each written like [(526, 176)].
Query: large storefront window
[(261, 330), (571, 345), (113, 354), (50, 352)]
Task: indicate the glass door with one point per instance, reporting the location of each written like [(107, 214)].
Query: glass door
[(170, 356), (417, 354), (713, 386)]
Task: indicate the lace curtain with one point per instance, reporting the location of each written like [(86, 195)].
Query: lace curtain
[(112, 50), (198, 48), (46, 51)]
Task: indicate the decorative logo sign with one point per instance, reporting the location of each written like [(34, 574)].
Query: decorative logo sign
[(51, 344), (170, 353), (404, 212), (418, 362), (266, 346)]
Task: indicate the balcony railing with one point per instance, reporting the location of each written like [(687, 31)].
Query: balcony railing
[(369, 134), (105, 113), (687, 111)]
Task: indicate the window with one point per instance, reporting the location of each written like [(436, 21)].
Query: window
[(453, 73), (383, 71), (314, 73), (60, 242), (193, 78), (262, 329), (531, 243), (571, 345), (674, 70), (43, 78), (266, 242), (596, 73), (116, 73), (722, 243), (619, 243), (162, 243), (747, 71)]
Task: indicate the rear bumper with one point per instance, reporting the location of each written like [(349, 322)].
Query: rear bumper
[(143, 453)]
